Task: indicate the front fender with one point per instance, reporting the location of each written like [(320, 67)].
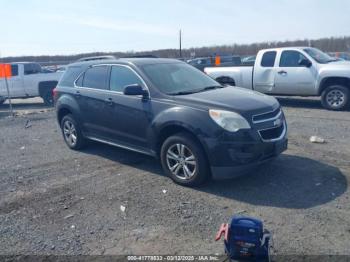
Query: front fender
[(195, 121), (335, 72)]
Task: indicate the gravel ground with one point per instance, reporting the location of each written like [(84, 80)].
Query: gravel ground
[(57, 201)]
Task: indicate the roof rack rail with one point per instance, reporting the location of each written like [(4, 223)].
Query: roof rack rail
[(141, 56), (93, 58)]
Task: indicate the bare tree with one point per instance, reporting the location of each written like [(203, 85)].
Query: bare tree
[(331, 44)]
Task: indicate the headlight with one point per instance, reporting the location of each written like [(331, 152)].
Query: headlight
[(229, 121)]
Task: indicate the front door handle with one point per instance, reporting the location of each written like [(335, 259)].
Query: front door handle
[(109, 101), (282, 72)]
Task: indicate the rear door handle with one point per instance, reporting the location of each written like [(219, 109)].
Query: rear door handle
[(109, 101), (282, 72)]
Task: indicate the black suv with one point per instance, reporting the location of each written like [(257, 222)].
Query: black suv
[(168, 109)]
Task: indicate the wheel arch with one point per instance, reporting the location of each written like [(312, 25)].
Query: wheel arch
[(62, 112), (328, 81), (67, 105), (226, 80), (176, 128), (46, 85)]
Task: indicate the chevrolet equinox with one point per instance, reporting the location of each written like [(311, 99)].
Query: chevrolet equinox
[(168, 109)]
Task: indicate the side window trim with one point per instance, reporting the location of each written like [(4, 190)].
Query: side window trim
[(109, 76), (128, 67), (82, 74)]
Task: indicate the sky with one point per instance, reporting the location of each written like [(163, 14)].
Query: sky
[(53, 27)]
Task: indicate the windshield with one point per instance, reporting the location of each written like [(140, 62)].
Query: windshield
[(178, 78), (319, 56)]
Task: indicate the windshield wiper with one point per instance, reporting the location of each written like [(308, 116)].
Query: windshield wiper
[(211, 88), (333, 60), (195, 91), (182, 93)]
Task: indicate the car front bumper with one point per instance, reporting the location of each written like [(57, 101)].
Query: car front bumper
[(243, 159)]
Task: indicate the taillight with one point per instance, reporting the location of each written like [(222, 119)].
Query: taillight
[(54, 93)]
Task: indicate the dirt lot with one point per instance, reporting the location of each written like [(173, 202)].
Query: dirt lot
[(57, 201), (24, 107)]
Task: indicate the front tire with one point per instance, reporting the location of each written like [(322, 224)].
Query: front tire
[(335, 97), (184, 161), (72, 133)]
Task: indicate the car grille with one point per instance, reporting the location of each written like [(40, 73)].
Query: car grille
[(264, 117), (271, 126), (272, 133)]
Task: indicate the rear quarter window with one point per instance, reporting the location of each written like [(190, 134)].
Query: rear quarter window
[(268, 59), (70, 76)]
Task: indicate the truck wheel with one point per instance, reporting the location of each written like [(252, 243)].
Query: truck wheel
[(48, 98), (335, 97), (184, 161), (72, 133)]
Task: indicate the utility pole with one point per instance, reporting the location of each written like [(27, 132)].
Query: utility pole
[(9, 97), (180, 43)]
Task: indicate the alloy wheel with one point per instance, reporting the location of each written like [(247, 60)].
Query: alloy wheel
[(335, 98), (181, 161), (70, 133)]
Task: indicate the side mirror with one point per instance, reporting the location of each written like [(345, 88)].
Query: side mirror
[(305, 62), (135, 90)]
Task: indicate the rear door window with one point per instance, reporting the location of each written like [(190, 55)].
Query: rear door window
[(121, 77), (96, 77), (31, 69), (268, 59)]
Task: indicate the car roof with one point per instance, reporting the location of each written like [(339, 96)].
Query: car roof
[(23, 63), (125, 61), (93, 58), (287, 47)]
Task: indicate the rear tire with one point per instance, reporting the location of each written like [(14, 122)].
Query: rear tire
[(72, 133), (184, 160), (48, 98), (335, 97)]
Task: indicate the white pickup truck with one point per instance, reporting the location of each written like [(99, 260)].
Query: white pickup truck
[(28, 81), (296, 71)]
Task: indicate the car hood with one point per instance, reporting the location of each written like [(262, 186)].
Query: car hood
[(335, 69), (340, 63), (243, 101), (337, 64)]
